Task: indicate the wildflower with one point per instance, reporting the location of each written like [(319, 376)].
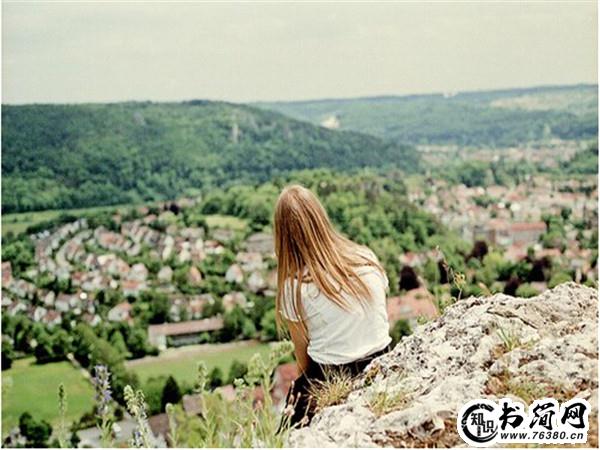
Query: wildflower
[(256, 369), (101, 382), (136, 405), (62, 410), (201, 377)]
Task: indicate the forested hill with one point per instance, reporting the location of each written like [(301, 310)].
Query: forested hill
[(64, 156), (486, 118)]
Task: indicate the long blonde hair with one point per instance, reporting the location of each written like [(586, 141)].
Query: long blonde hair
[(309, 249)]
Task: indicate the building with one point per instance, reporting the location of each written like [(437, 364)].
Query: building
[(526, 232), (120, 313), (261, 243), (182, 333), (415, 304), (285, 375), (6, 273)]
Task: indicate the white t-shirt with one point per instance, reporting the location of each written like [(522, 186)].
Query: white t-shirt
[(338, 336)]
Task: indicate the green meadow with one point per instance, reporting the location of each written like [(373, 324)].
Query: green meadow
[(182, 362), (27, 386), (19, 222)]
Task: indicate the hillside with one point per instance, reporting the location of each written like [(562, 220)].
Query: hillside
[(481, 347), (67, 156), (485, 118)]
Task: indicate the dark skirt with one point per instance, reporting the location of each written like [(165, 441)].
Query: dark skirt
[(299, 398)]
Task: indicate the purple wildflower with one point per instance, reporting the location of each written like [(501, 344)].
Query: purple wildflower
[(101, 383)]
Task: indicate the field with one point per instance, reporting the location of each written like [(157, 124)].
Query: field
[(29, 387), (18, 222), (182, 362), (220, 221)]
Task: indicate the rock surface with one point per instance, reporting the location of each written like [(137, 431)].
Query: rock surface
[(493, 347)]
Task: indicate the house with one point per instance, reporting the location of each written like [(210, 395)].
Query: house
[(192, 233), (223, 235), (227, 392), (38, 313), (194, 276), (91, 319), (261, 243), (250, 261), (256, 282), (165, 274), (411, 306), (285, 375), (526, 232), (232, 299), (17, 307), (6, 300), (6, 273), (234, 274), (22, 288), (192, 404), (212, 247), (515, 252), (95, 281), (138, 272), (62, 302), (52, 318), (132, 288), (182, 333), (197, 303), (496, 232), (120, 312), (46, 297), (159, 425), (184, 254), (412, 259)]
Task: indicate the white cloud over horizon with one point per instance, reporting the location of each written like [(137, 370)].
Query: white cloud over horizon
[(101, 51)]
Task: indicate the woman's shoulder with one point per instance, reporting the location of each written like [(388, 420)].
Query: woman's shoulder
[(369, 269)]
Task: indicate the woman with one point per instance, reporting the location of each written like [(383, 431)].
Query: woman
[(331, 294)]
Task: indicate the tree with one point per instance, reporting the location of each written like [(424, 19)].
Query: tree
[(7, 353), (137, 342), (400, 329), (43, 350), (511, 286), (237, 324), (480, 249), (408, 279), (526, 291), (268, 326), (171, 393), (215, 377), (236, 370), (559, 278), (35, 432), (118, 343), (159, 306)]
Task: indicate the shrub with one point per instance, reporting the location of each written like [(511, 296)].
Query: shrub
[(558, 278), (526, 290)]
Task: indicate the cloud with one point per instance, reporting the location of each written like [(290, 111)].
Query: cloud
[(78, 52)]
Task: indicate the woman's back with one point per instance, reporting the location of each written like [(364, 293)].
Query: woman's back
[(339, 335), (331, 293)]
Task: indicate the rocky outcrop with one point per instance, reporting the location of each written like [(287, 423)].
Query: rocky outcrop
[(493, 347)]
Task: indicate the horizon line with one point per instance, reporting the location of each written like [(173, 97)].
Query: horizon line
[(316, 99)]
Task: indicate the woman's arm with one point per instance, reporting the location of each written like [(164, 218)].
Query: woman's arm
[(300, 344)]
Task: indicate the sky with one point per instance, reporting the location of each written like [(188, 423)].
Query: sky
[(113, 51)]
